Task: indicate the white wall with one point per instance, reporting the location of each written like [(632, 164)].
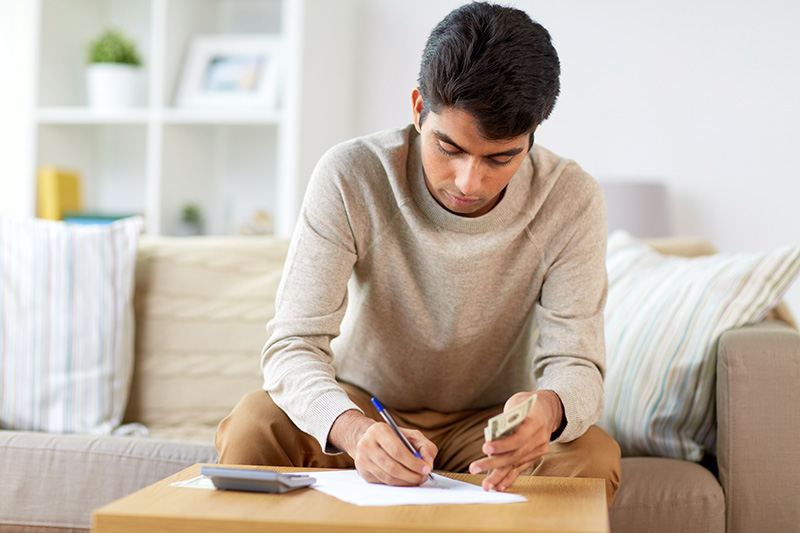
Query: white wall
[(704, 96), (16, 101)]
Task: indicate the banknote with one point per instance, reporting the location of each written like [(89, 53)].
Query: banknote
[(506, 423)]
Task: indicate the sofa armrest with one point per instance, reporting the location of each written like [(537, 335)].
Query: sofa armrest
[(758, 371)]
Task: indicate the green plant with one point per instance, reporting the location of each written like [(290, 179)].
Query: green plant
[(113, 46), (191, 214)]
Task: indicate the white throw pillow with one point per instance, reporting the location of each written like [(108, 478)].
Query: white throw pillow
[(66, 324), (663, 318)]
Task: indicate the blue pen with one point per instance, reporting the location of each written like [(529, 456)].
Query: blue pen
[(389, 420)]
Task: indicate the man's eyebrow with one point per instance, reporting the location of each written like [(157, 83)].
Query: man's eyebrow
[(442, 136)]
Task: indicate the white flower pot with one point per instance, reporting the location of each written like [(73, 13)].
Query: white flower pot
[(188, 229), (114, 86)]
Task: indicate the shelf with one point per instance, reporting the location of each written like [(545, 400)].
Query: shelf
[(221, 116), (229, 171), (109, 158), (84, 115), (235, 162)]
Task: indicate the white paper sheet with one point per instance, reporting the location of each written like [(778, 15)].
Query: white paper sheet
[(348, 486), (199, 482)]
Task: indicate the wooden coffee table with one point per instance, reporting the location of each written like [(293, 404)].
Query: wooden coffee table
[(554, 505)]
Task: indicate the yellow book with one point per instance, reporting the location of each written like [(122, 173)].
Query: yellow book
[(59, 192)]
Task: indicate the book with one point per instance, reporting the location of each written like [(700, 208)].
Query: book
[(58, 192), (94, 218)]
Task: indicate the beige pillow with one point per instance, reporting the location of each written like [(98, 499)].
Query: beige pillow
[(664, 316)]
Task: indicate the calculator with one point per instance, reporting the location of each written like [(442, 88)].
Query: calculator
[(228, 478)]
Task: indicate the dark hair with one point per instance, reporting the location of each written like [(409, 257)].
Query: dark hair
[(493, 62)]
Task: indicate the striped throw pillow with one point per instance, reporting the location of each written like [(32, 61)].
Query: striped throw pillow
[(663, 317), (66, 324)]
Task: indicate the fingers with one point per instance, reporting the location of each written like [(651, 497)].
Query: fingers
[(523, 442), (516, 399), (502, 470), (381, 457), (507, 458), (520, 458), (502, 478), (425, 447)]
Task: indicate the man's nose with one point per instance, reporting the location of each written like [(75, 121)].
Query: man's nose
[(468, 178)]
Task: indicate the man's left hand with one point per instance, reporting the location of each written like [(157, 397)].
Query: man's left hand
[(507, 458)]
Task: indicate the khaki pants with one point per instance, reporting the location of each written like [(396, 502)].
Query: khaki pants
[(258, 432)]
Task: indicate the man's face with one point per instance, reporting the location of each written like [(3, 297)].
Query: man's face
[(465, 172)]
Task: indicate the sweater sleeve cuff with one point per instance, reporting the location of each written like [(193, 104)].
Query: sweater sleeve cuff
[(323, 412), (578, 415), (557, 433)]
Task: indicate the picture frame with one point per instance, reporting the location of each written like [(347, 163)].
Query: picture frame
[(231, 71)]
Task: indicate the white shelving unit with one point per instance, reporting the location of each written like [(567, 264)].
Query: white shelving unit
[(157, 158)]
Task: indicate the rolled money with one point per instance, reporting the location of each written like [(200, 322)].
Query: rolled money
[(505, 424)]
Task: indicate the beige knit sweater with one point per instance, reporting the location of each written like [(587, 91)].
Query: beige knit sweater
[(385, 289)]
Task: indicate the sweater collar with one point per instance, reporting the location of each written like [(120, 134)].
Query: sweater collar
[(498, 218)]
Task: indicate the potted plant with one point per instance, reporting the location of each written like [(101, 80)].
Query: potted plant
[(114, 69), (191, 221)]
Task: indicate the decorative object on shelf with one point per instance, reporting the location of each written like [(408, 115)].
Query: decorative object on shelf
[(92, 219), (638, 207), (191, 222), (113, 75), (231, 70), (58, 192), (260, 223), (59, 197)]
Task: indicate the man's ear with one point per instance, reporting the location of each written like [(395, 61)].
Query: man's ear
[(417, 106)]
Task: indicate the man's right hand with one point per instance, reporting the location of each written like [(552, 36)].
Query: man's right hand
[(379, 455)]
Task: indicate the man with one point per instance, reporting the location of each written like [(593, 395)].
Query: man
[(451, 269)]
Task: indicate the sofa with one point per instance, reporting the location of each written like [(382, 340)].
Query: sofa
[(201, 304)]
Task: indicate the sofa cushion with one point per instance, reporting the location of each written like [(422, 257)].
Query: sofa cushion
[(57, 480), (664, 316), (66, 324), (694, 247), (666, 495), (202, 305)]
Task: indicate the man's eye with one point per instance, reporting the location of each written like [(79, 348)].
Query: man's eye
[(445, 151), (502, 162)]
